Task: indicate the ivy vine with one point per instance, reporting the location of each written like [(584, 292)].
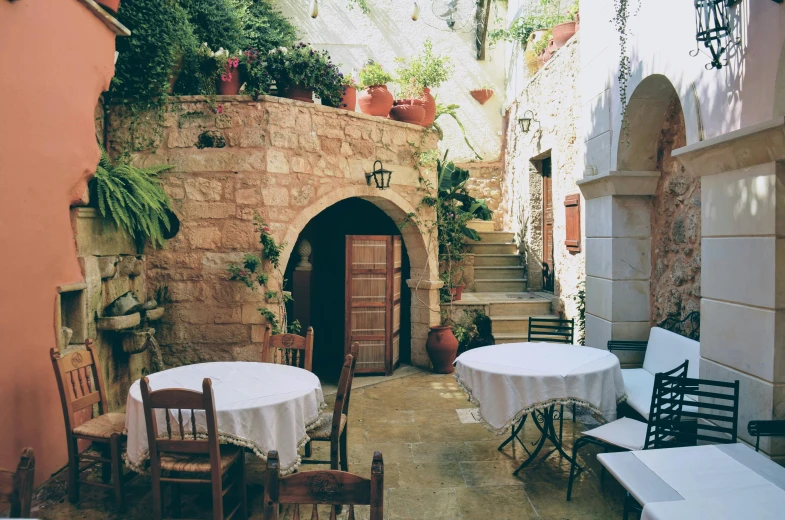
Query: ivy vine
[(622, 9)]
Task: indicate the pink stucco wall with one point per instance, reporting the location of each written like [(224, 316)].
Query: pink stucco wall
[(56, 57)]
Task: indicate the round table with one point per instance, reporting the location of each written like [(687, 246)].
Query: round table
[(508, 382), (260, 406)]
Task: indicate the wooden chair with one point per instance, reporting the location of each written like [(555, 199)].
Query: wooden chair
[(336, 488), (16, 489), (288, 349), (334, 428), (81, 385), (184, 450)]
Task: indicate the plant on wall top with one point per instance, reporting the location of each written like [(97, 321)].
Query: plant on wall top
[(373, 74), (133, 199), (217, 22), (305, 67), (264, 26), (543, 16), (429, 70)]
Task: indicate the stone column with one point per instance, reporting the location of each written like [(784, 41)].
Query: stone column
[(618, 255), (425, 309), (743, 267), (301, 285)]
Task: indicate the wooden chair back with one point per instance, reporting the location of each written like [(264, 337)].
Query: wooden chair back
[(551, 330), (332, 487), (343, 393), (16, 488), (80, 382), (288, 349), (183, 436)]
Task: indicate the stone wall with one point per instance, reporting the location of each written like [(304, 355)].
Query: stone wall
[(675, 228), (553, 97), (485, 183), (286, 161)]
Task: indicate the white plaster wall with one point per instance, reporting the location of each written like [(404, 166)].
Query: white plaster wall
[(388, 32)]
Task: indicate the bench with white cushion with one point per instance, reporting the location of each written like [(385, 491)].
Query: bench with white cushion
[(665, 351)]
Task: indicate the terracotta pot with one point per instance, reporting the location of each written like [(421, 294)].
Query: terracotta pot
[(299, 93), (459, 292), (442, 347), (375, 101), (430, 107), (112, 5), (349, 99), (408, 111), (230, 87), (562, 33), (549, 50), (482, 95)]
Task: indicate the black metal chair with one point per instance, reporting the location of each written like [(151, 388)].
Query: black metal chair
[(760, 429)]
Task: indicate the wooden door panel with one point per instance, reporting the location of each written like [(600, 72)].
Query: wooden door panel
[(547, 225)]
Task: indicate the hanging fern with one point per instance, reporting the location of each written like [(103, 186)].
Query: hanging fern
[(133, 199)]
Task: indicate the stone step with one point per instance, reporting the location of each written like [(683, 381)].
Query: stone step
[(496, 237), (501, 338), (495, 285), (491, 249), (520, 308), (512, 324), (514, 272), (491, 260), (481, 225)]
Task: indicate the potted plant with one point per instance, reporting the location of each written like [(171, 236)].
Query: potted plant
[(409, 109), (228, 63), (349, 98), (429, 71), (302, 71), (375, 99), (482, 94)]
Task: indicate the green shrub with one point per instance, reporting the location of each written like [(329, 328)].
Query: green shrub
[(308, 68), (373, 74), (264, 26), (426, 69), (216, 22)]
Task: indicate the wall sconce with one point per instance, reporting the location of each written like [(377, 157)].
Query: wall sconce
[(526, 120), (379, 175), (713, 30)]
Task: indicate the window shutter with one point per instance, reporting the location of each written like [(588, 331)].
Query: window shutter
[(572, 211)]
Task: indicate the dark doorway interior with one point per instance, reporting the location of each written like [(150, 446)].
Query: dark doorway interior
[(547, 226), (327, 233)]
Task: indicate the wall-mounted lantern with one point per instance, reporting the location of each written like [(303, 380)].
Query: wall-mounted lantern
[(380, 176), (713, 29), (526, 120)]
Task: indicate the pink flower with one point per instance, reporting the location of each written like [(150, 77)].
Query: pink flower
[(220, 108), (235, 62), (224, 77)]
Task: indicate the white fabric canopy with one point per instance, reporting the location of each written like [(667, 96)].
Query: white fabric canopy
[(260, 406), (511, 380)]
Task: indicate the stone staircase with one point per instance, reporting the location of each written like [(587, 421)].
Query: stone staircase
[(501, 287)]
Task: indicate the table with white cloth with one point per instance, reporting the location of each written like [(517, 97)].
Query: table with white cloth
[(508, 382), (259, 406), (725, 481)]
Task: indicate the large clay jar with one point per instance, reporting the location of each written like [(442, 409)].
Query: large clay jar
[(430, 107), (408, 111), (299, 93), (442, 347), (375, 101), (230, 86), (562, 33), (349, 99)]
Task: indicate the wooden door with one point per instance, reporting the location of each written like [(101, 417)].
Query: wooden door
[(373, 301), (547, 225)]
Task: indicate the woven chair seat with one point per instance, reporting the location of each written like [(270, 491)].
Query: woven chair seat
[(198, 463), (323, 432), (102, 426)]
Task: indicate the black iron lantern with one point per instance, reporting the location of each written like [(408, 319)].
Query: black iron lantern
[(713, 29), (526, 120), (380, 176)]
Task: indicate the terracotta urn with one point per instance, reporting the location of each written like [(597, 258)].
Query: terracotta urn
[(375, 100), (562, 33), (408, 111), (482, 95), (299, 93), (442, 348), (229, 83), (430, 107), (349, 99)]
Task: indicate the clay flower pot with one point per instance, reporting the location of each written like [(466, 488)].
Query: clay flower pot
[(375, 101), (482, 95), (459, 292), (442, 347), (299, 93), (408, 111), (229, 83), (562, 33), (349, 99), (430, 107)]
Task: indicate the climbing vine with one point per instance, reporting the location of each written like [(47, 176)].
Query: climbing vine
[(621, 19)]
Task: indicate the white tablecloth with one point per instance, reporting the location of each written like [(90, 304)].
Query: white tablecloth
[(260, 406), (511, 380)]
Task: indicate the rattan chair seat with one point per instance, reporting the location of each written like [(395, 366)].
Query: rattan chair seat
[(103, 426), (322, 433), (198, 463)]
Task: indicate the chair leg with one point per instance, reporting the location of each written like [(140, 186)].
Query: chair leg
[(106, 467), (117, 472), (177, 501), (155, 474), (343, 458), (561, 422), (218, 496), (308, 449), (574, 411), (73, 471), (241, 490), (575, 447)]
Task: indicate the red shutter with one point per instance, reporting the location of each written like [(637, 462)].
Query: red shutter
[(572, 211)]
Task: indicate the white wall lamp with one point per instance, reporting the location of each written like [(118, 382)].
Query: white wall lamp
[(314, 8), (526, 121), (415, 11)]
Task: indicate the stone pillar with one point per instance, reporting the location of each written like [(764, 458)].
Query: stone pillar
[(425, 311), (301, 285), (743, 268), (618, 255)]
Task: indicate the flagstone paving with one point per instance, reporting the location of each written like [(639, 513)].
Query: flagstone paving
[(436, 467)]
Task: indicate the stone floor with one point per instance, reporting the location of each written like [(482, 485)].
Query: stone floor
[(436, 467)]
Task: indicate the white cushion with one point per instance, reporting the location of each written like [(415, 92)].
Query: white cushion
[(639, 385), (625, 433), (666, 350)]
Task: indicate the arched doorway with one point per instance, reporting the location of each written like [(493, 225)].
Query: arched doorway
[(326, 233)]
